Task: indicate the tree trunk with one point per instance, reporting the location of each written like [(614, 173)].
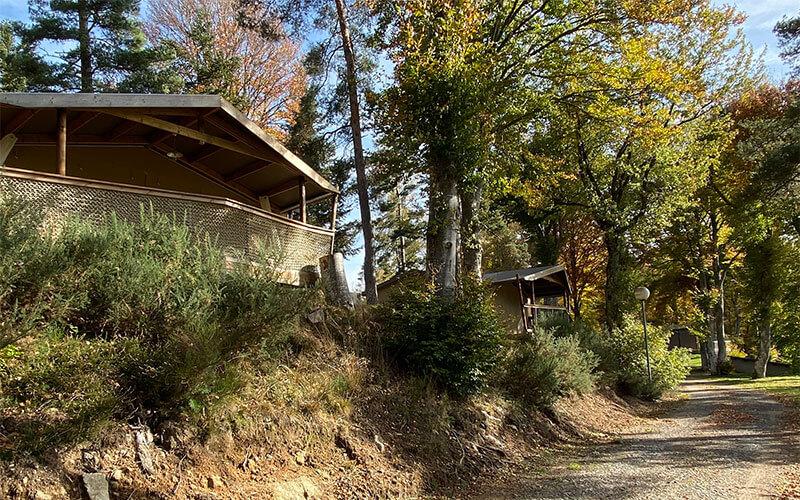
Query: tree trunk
[(370, 285), (704, 359), (84, 42), (334, 280), (615, 249), (443, 233), (711, 337), (719, 311), (710, 341), (471, 247), (764, 346)]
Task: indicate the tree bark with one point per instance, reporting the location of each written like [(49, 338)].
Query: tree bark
[(764, 345), (84, 47), (613, 307), (711, 337), (443, 233), (370, 284), (719, 310), (471, 247)]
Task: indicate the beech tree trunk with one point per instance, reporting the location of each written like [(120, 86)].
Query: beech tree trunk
[(370, 285), (471, 247), (719, 311), (443, 233), (764, 345), (84, 42), (615, 249), (711, 358)]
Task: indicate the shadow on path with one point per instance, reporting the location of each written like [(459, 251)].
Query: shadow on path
[(726, 442)]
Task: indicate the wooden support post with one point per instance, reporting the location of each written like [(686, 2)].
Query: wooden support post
[(302, 188), (533, 301), (61, 142), (522, 304)]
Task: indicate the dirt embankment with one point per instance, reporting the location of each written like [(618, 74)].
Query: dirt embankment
[(393, 443), (325, 423)]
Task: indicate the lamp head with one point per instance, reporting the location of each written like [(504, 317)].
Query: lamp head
[(641, 293)]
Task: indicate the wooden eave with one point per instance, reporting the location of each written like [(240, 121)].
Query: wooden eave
[(202, 133)]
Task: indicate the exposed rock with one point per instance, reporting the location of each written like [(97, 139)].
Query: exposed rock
[(95, 485), (380, 444), (301, 488), (309, 275), (215, 482), (117, 475), (144, 444), (300, 457), (344, 441), (317, 316), (41, 495)]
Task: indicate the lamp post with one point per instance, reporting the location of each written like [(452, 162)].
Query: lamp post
[(642, 294)]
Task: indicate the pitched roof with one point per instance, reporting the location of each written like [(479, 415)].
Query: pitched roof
[(528, 274), (212, 137)]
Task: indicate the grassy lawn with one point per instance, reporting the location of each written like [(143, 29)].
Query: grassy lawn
[(787, 387)]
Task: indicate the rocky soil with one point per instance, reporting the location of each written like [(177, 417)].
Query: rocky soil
[(725, 442)]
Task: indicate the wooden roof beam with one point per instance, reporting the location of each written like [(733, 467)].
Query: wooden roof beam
[(82, 139), (184, 122), (318, 198), (18, 121), (251, 168), (286, 186), (123, 128), (173, 129), (79, 121), (204, 152), (199, 168)]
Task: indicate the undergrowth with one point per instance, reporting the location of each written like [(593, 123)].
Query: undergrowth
[(133, 321)]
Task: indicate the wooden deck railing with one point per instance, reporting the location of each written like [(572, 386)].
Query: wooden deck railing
[(233, 225)]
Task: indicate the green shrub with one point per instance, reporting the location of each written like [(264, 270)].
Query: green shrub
[(456, 343), (541, 368), (726, 367), (624, 357), (156, 314)]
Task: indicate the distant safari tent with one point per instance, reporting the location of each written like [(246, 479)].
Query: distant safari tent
[(194, 157), (682, 336), (523, 295)]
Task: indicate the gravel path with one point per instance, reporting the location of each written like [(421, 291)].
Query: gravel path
[(726, 442)]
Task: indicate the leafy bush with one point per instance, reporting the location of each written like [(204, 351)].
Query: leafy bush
[(725, 367), (543, 367), (156, 314), (457, 343), (624, 356)]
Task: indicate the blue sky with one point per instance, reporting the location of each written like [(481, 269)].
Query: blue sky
[(761, 18)]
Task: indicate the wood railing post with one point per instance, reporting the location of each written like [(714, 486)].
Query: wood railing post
[(302, 187), (61, 142)]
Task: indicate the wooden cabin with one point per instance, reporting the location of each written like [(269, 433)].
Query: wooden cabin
[(195, 157), (523, 295)]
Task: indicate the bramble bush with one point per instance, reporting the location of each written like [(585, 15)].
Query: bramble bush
[(456, 343), (127, 319), (624, 357)]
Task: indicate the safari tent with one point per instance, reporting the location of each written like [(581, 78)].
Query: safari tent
[(195, 157), (523, 295)]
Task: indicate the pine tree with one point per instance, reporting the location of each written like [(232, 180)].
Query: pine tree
[(317, 151), (400, 231), (20, 67), (102, 45)]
